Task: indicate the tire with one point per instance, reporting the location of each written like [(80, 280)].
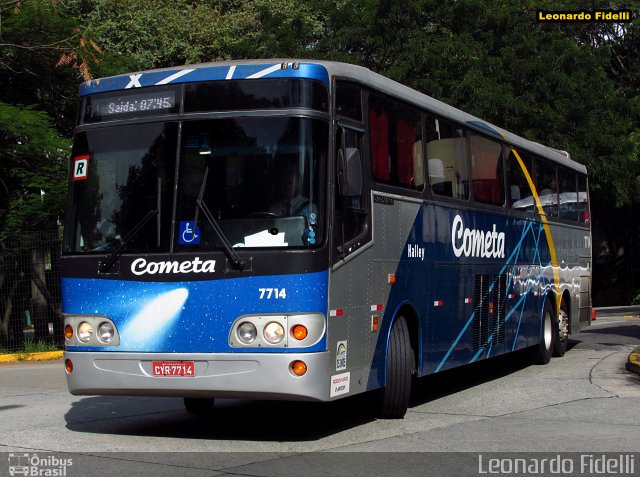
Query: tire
[(561, 330), (394, 397), (198, 406), (542, 351)]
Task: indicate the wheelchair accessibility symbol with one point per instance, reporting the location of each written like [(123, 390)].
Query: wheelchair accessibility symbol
[(189, 233)]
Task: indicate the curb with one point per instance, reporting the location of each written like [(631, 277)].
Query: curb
[(633, 362), (14, 358)]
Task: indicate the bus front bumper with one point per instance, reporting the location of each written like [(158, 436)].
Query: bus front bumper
[(245, 375)]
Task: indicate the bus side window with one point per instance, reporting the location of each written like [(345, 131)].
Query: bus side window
[(583, 200), (447, 159), (518, 188), (350, 207), (547, 187), (568, 204), (487, 172), (395, 143)]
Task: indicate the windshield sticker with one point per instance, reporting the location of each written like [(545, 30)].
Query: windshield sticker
[(189, 233), (265, 239), (80, 168)]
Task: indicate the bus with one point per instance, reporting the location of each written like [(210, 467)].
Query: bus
[(308, 230)]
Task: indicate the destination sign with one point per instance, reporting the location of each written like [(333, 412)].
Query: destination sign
[(99, 108)]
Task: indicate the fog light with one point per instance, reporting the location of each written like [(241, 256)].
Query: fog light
[(68, 366), (299, 368), (247, 332), (299, 332), (68, 332), (106, 332), (273, 332), (85, 330)]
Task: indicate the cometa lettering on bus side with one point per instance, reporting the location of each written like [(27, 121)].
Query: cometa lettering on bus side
[(141, 267), (476, 243)]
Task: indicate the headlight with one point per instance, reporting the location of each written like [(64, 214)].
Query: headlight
[(273, 332), (247, 332), (106, 332), (85, 330)]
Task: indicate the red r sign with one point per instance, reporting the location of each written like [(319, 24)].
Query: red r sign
[(80, 166)]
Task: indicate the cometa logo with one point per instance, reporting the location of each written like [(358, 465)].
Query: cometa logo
[(141, 267), (476, 243)]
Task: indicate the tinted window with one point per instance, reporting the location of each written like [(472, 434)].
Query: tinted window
[(260, 178), (583, 200), (518, 188), (568, 206), (547, 187), (447, 159), (395, 141), (348, 101), (235, 95), (486, 164), (126, 184)]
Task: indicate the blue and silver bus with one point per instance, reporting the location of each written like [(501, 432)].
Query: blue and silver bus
[(308, 230)]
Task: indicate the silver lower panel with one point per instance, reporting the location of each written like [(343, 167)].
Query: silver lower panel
[(246, 375)]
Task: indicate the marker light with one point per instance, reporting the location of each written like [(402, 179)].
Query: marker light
[(106, 332), (68, 366), (247, 332), (68, 332), (273, 332), (85, 330), (299, 332), (299, 368)]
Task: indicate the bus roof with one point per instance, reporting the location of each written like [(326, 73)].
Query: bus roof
[(321, 71)]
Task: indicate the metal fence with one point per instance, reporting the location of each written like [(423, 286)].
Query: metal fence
[(30, 302)]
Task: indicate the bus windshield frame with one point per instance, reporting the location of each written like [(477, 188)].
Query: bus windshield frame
[(146, 164)]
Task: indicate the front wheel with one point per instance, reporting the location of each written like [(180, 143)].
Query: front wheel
[(394, 397), (542, 351)]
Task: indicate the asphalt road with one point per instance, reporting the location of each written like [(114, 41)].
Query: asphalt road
[(583, 403)]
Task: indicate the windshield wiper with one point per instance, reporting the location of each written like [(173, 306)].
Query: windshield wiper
[(232, 254), (113, 256)]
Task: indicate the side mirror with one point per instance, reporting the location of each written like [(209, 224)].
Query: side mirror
[(349, 172)]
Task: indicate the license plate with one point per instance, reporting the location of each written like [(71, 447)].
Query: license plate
[(173, 368)]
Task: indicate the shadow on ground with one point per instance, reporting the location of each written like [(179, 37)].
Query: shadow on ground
[(233, 419)]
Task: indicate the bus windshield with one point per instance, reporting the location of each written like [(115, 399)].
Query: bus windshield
[(129, 175), (258, 177)]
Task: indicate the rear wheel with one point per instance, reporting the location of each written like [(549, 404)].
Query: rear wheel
[(394, 397), (542, 351), (562, 331), (198, 406)]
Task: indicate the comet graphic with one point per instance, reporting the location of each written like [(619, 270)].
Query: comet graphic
[(146, 329)]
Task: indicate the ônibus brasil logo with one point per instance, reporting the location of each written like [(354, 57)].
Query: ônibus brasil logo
[(140, 266), (476, 243)]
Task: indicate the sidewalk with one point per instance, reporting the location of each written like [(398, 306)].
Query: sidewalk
[(14, 358)]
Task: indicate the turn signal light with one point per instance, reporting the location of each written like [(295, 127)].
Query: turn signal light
[(68, 366), (299, 368), (68, 332), (299, 332)]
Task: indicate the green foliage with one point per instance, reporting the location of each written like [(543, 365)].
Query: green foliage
[(40, 40), (33, 169), (145, 34)]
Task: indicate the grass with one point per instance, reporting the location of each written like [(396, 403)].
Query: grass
[(32, 346)]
